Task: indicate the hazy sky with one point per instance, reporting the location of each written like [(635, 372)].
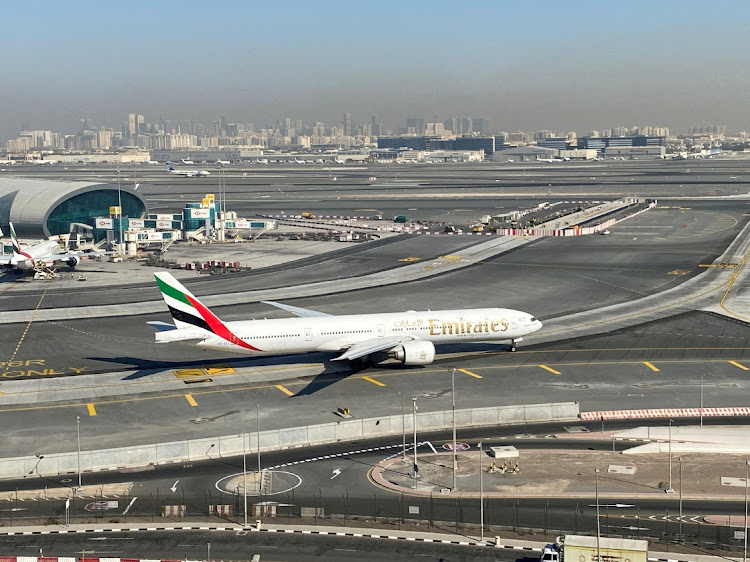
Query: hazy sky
[(572, 65)]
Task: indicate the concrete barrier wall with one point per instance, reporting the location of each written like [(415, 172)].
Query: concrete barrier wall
[(279, 439)]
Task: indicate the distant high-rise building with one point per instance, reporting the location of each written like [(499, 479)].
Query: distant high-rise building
[(415, 125), (348, 125), (132, 125)]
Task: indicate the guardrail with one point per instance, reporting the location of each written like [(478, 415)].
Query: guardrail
[(278, 439)]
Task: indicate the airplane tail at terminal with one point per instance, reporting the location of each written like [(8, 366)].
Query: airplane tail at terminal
[(189, 313), (18, 253)]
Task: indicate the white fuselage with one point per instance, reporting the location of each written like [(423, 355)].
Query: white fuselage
[(40, 252), (333, 333)]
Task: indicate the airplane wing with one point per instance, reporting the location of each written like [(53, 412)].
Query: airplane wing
[(5, 260), (297, 311), (366, 347)]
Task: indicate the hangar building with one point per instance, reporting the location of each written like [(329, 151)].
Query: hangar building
[(44, 208)]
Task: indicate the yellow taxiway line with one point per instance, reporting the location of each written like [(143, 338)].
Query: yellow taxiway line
[(741, 366), (550, 369), (470, 373), (191, 400), (373, 381), (651, 366), (92, 409), (284, 389)]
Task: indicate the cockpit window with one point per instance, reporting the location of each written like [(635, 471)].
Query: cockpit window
[(532, 319)]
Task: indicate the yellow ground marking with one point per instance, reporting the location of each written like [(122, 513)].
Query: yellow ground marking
[(470, 373), (191, 400), (218, 369), (187, 373), (394, 373), (718, 265), (92, 409), (679, 272), (731, 284), (26, 330), (284, 389), (450, 257), (550, 369), (410, 259), (739, 365), (650, 366), (373, 381)]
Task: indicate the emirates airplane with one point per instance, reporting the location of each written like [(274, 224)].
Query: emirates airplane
[(409, 337)]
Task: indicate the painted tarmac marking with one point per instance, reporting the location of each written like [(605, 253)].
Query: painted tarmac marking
[(410, 259), (91, 408), (373, 381), (191, 400), (466, 372), (284, 389), (651, 366), (739, 365), (219, 369), (187, 373), (550, 369), (26, 330)]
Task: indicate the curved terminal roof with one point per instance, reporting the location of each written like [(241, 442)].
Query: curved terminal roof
[(43, 208)]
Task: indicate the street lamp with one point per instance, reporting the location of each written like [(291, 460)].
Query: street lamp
[(744, 546), (257, 425), (680, 519), (403, 428), (598, 524), (78, 431), (453, 409), (481, 495), (702, 399), (244, 476), (414, 418), (669, 489)]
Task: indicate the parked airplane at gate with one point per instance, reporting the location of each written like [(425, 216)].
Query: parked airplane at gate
[(188, 173), (409, 337), (44, 254)]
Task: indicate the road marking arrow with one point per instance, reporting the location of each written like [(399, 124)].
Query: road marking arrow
[(174, 487), (129, 505), (336, 473)]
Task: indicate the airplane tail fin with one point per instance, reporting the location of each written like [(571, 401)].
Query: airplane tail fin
[(188, 312)]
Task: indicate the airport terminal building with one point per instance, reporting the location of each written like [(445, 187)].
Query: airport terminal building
[(44, 208)]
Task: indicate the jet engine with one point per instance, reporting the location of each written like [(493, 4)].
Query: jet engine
[(417, 352), (73, 261)]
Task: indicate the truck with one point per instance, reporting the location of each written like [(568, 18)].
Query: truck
[(579, 548), (401, 219)]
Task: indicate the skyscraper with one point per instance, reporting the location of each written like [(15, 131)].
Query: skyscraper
[(348, 125)]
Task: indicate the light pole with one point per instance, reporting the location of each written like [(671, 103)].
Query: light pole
[(244, 476), (481, 496), (744, 545), (702, 400), (414, 418), (453, 409), (257, 425), (403, 428), (669, 489), (680, 519), (598, 524), (119, 214), (78, 431)]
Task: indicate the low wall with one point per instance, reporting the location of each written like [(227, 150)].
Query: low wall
[(279, 439)]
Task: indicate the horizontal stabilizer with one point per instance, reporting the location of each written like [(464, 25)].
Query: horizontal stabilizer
[(162, 326), (297, 311), (181, 334)]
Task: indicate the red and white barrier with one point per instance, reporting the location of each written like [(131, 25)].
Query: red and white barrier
[(662, 413), (173, 511)]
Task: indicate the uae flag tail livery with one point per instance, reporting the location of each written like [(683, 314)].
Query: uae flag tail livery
[(192, 320)]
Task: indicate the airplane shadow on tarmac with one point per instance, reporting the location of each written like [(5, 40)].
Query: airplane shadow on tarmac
[(331, 373)]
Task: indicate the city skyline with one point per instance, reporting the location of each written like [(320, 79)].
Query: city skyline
[(575, 67)]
